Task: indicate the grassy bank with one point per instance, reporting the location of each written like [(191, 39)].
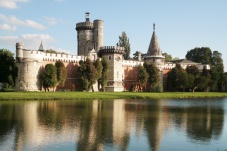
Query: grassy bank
[(104, 95)]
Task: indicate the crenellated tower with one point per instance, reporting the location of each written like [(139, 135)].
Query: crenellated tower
[(114, 56), (89, 35)]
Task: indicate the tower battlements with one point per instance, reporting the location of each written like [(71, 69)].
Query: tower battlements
[(84, 26)]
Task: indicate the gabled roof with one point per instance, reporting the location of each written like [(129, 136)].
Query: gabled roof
[(184, 61)]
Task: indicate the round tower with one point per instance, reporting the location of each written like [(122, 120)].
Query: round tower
[(154, 53), (19, 51), (85, 36), (114, 56), (98, 34)]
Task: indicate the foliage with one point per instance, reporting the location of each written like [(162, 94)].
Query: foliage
[(49, 76), (193, 70), (8, 69), (217, 70), (87, 73), (200, 55), (98, 67), (136, 55), (61, 72), (168, 57), (153, 73), (142, 76), (124, 42), (173, 76), (158, 87), (105, 70), (54, 51)]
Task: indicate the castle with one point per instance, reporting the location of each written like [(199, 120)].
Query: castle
[(122, 73)]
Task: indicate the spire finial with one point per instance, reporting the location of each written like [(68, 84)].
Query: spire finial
[(154, 26)]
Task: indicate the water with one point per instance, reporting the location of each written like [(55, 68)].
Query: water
[(114, 125)]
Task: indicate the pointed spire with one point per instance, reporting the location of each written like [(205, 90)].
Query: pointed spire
[(154, 49), (41, 47)]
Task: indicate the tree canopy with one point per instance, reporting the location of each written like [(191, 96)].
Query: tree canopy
[(142, 76), (8, 69), (49, 77), (105, 71), (168, 57), (61, 72), (200, 55), (124, 42)]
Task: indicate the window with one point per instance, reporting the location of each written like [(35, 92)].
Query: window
[(109, 57)]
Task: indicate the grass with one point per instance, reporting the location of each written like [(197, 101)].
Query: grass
[(105, 95)]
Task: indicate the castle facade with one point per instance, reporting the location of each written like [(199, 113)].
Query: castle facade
[(122, 73)]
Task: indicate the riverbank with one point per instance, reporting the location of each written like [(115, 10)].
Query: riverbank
[(105, 95)]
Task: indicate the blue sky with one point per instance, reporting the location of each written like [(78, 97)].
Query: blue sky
[(181, 25)]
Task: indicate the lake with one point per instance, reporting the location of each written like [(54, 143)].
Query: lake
[(133, 125)]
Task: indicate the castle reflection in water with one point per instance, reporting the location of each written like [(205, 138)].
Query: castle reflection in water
[(97, 125)]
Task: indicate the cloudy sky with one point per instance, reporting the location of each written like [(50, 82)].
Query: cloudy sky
[(181, 25)]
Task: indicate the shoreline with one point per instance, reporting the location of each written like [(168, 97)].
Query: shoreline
[(10, 96)]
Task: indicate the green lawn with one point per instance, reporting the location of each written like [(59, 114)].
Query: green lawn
[(104, 95)]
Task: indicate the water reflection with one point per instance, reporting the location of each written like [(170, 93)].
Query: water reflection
[(109, 125)]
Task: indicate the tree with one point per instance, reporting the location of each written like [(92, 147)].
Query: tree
[(124, 42), (8, 69), (168, 57), (201, 55), (204, 80), (193, 70), (136, 55), (173, 75), (105, 70), (61, 72), (49, 77), (153, 73), (142, 76), (87, 73), (98, 67), (217, 71)]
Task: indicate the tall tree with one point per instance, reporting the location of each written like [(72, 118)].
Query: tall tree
[(49, 77), (98, 67), (193, 70), (8, 69), (124, 42), (217, 71), (105, 70), (142, 76), (153, 72), (201, 55), (61, 72), (168, 57), (87, 73)]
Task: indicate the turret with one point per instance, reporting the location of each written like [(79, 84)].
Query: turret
[(98, 34), (19, 51)]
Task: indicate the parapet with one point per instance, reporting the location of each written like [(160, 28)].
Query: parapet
[(84, 25), (132, 63), (111, 50)]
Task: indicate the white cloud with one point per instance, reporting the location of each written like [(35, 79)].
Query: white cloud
[(10, 4), (15, 21), (8, 27), (51, 20), (31, 41)]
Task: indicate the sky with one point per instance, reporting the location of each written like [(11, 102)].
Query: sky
[(181, 25)]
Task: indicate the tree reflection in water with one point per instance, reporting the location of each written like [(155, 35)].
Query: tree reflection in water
[(103, 125)]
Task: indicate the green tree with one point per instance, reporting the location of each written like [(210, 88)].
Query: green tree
[(173, 77), (200, 55), (193, 70), (217, 72), (203, 81), (124, 42), (61, 72), (49, 77), (8, 69), (136, 55), (87, 73), (98, 67), (142, 76), (105, 70), (168, 57), (153, 73)]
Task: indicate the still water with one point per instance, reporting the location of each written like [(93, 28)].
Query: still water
[(133, 125)]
